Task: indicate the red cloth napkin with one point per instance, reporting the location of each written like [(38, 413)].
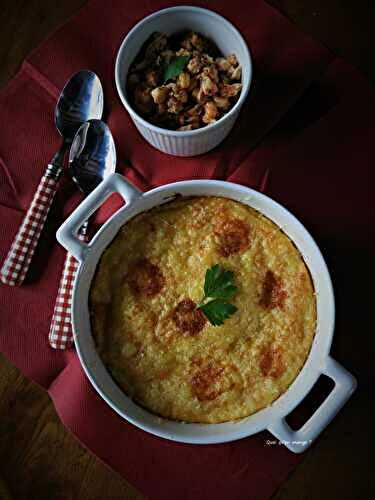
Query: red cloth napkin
[(305, 137)]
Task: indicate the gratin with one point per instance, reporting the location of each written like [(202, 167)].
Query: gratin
[(161, 349)]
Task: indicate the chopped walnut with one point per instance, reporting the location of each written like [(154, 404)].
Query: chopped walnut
[(195, 110), (160, 94), (232, 59), (210, 112), (186, 127), (211, 72), (195, 93), (235, 73), (172, 86), (186, 43), (194, 121), (199, 94), (181, 95), (174, 106), (191, 117), (222, 102), (194, 65), (197, 42), (194, 82), (222, 64), (230, 90), (206, 59), (183, 52), (208, 86), (183, 80), (152, 78)]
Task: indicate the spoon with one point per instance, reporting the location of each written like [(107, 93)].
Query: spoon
[(92, 158), (80, 100)]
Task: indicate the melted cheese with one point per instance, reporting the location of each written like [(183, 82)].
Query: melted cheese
[(162, 351)]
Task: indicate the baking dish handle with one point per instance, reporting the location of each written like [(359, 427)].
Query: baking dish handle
[(67, 234), (299, 440)]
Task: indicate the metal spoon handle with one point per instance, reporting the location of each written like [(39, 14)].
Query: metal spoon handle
[(17, 262), (61, 333)]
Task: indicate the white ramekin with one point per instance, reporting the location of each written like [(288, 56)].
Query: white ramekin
[(271, 418), (228, 40)]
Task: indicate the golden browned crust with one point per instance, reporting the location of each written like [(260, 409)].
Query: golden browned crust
[(162, 351)]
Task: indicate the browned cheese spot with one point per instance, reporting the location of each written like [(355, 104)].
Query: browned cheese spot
[(188, 318), (206, 382), (164, 374), (233, 236), (145, 278), (273, 294), (271, 362)]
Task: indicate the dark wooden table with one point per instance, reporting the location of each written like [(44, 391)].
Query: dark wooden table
[(39, 458)]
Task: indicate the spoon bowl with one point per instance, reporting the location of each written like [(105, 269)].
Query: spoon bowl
[(92, 155), (80, 100)]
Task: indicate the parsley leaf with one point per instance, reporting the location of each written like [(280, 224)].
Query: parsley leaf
[(218, 285), (175, 67), (217, 311)]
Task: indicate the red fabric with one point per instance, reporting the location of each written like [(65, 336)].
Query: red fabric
[(16, 265), (305, 137)]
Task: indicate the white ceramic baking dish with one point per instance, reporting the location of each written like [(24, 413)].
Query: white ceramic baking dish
[(229, 41), (273, 417)]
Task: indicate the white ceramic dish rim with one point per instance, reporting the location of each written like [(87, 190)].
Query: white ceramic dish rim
[(271, 418), (119, 77)]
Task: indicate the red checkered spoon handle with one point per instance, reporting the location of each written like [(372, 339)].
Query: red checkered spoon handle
[(17, 262), (61, 332)]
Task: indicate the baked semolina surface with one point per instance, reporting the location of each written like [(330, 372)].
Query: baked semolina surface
[(162, 351)]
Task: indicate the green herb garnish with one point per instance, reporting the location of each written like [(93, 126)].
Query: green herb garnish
[(217, 311), (175, 67), (218, 287)]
